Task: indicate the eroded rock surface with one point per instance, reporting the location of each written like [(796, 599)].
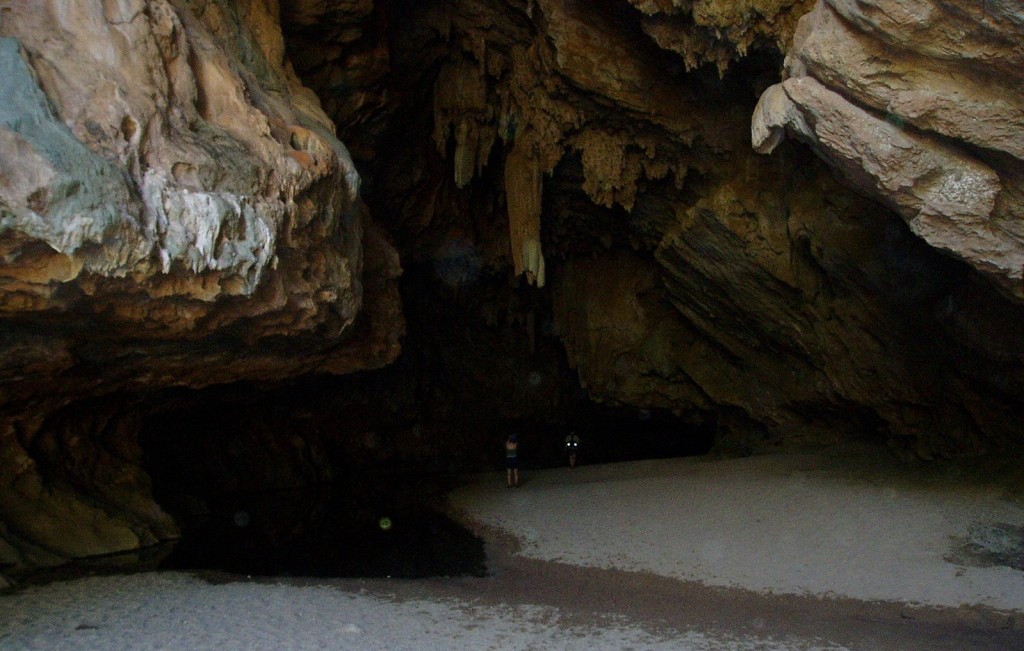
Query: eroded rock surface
[(687, 273), (710, 31), (174, 204), (917, 104)]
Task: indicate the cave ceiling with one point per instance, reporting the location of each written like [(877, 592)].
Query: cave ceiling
[(788, 220), (606, 149)]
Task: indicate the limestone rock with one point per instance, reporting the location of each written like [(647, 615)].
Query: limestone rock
[(336, 47), (688, 274), (313, 12), (779, 307), (176, 201), (177, 169), (913, 63), (179, 212), (720, 33), (917, 104), (945, 195), (617, 326)]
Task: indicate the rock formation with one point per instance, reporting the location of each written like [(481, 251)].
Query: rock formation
[(175, 204), (916, 104), (572, 192), (687, 272)]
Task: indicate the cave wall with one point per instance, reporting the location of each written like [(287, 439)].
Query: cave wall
[(177, 211), (779, 221), (916, 104), (779, 296)]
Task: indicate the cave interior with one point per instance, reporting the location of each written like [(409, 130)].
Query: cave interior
[(692, 297)]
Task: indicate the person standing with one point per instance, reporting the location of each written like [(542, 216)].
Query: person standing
[(512, 460), (572, 444)]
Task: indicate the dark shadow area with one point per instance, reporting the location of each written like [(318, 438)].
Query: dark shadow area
[(610, 434), (260, 487), (645, 434), (345, 477), (296, 477), (377, 531)]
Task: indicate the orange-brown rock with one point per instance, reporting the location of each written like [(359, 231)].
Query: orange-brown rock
[(916, 103), (573, 193), (690, 276), (174, 203), (719, 33)]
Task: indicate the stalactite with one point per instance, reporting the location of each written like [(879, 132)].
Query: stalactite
[(524, 187), (461, 110), (465, 153), (533, 262)]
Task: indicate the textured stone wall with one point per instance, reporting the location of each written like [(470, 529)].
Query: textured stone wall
[(784, 298), (917, 104), (174, 204)]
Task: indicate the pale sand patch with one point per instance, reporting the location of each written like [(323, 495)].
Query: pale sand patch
[(173, 611), (867, 529)]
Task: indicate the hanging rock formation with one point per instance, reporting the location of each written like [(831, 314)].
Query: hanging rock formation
[(916, 104), (175, 204), (709, 31), (687, 272)]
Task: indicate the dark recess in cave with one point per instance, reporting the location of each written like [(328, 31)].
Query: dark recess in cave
[(294, 478), (371, 526), (261, 487)]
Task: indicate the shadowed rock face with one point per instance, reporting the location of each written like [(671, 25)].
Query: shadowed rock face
[(769, 295), (573, 192), (175, 207)]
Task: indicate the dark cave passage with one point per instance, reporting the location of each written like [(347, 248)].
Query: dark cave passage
[(296, 478), (259, 488), (370, 526)]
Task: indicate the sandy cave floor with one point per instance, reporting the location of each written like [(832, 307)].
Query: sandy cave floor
[(787, 551)]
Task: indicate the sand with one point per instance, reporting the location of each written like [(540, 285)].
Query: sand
[(790, 524), (174, 611), (790, 551)]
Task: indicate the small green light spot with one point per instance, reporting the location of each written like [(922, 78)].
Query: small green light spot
[(385, 523)]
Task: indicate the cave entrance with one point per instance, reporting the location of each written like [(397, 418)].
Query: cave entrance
[(259, 491)]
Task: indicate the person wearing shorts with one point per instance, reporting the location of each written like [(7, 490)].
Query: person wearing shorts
[(512, 460)]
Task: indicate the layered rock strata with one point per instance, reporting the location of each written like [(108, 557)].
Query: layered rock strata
[(572, 182), (689, 273), (174, 206), (916, 103)]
